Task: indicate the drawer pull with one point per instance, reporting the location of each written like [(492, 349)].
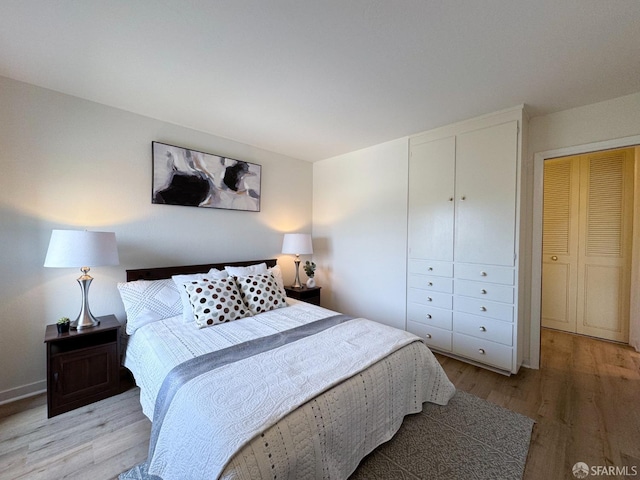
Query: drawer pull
[(463, 198), (429, 315), (481, 351), (483, 309), (483, 329), (428, 335), (430, 284), (430, 269), (451, 199), (483, 274), (429, 299), (483, 291)]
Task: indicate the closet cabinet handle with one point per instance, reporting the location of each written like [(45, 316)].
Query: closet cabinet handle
[(451, 199), (463, 198)]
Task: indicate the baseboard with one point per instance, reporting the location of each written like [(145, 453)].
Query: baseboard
[(18, 393)]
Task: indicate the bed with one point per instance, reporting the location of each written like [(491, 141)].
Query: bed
[(294, 392)]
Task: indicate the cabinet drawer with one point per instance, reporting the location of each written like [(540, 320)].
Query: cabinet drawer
[(501, 311), (484, 291), (485, 328), (436, 317), (485, 273), (434, 299), (433, 336), (483, 351), (428, 267), (433, 284)]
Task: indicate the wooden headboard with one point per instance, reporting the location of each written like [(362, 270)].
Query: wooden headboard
[(166, 272)]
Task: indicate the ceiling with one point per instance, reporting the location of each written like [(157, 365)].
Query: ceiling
[(316, 78)]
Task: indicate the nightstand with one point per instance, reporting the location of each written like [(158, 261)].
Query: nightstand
[(309, 295), (83, 366)]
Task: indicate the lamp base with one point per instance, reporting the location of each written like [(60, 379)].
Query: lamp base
[(296, 283), (85, 317)]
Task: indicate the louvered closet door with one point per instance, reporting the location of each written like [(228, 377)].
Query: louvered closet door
[(586, 266), (604, 262), (560, 243)]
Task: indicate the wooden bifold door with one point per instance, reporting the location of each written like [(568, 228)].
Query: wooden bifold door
[(587, 239)]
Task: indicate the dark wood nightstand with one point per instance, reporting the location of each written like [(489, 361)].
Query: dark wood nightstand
[(309, 295), (83, 366)]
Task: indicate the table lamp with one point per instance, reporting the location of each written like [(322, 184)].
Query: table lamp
[(297, 244), (82, 249)]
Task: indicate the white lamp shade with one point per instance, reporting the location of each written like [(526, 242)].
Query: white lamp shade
[(81, 248), (297, 244)]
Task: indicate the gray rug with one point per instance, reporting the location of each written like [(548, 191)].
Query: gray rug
[(468, 438)]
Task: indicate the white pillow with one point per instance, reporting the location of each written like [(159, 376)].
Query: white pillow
[(277, 274), (180, 280), (260, 293), (147, 301), (257, 269), (215, 301)]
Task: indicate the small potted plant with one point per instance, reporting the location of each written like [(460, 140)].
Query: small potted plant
[(310, 270), (63, 325)]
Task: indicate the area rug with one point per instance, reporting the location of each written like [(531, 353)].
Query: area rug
[(468, 438)]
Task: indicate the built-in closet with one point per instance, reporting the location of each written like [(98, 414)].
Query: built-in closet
[(587, 240), (465, 295)]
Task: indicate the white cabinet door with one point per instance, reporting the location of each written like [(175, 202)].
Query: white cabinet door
[(431, 194), (486, 175)]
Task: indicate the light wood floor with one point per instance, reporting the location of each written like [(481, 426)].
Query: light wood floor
[(585, 400)]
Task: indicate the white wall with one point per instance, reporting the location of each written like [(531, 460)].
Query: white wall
[(70, 163), (360, 231)]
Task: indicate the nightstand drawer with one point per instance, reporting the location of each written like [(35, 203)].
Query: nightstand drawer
[(304, 294), (483, 351), (433, 336), (436, 317), (432, 284), (475, 306), (433, 299), (485, 291), (485, 328)]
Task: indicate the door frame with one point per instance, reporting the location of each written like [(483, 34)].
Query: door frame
[(536, 241)]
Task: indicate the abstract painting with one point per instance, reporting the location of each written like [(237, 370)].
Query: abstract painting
[(188, 177)]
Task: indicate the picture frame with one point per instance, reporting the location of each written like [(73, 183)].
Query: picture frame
[(187, 177)]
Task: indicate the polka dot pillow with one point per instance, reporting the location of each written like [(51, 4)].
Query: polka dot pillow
[(261, 293), (215, 301)]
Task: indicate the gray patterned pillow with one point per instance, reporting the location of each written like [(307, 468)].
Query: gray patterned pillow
[(215, 301), (261, 293)]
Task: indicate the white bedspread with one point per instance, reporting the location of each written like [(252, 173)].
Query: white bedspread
[(158, 347), (211, 421)]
